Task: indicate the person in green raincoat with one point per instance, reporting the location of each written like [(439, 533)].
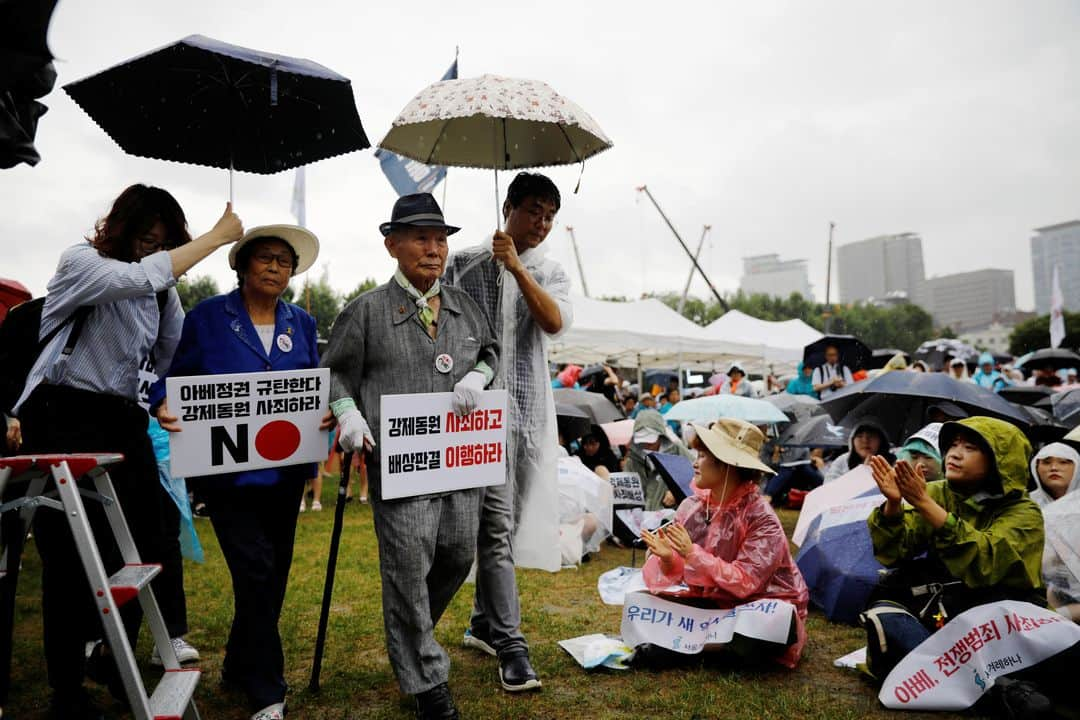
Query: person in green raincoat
[(982, 537), (652, 434)]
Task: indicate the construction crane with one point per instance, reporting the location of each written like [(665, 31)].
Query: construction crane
[(690, 277)]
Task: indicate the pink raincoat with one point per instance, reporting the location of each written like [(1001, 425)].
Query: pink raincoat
[(740, 554)]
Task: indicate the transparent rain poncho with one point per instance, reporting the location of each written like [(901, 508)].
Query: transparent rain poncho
[(532, 456), (1061, 553)]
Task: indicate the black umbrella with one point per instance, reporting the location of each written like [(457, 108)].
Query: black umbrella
[(899, 400), (1044, 427), (595, 405), (572, 421), (880, 358), (1026, 394), (796, 407), (1057, 358), (938, 353), (26, 73), (206, 102), (331, 569), (853, 352), (816, 432)]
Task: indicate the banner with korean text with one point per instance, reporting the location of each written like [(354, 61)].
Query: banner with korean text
[(247, 421), (648, 618), (953, 667), (425, 448)]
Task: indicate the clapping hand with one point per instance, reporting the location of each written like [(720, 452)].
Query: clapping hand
[(657, 546), (677, 538), (886, 478), (911, 482)]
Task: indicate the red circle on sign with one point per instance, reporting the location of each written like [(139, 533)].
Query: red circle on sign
[(277, 440)]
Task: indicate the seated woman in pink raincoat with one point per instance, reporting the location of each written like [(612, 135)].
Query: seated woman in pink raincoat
[(727, 545)]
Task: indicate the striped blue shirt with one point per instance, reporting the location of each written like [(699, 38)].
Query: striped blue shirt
[(120, 332)]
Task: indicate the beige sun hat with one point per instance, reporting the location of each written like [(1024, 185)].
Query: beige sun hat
[(735, 442), (301, 240)]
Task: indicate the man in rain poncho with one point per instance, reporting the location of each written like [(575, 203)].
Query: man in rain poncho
[(986, 376), (526, 297)]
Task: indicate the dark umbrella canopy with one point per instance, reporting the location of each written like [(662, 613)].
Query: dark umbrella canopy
[(206, 102), (853, 352), (572, 421), (816, 432), (840, 569), (1057, 358), (1044, 426), (1026, 394), (599, 409), (938, 353), (796, 407), (899, 400)]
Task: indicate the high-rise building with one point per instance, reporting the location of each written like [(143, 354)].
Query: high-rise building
[(1056, 245), (770, 275), (878, 266), (968, 300)]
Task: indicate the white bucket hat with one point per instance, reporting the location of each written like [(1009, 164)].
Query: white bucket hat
[(301, 240)]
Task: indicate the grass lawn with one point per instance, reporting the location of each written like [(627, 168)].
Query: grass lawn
[(357, 680)]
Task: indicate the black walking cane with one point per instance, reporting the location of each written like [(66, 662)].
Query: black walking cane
[(331, 566)]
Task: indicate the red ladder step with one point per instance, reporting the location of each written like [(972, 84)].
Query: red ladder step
[(126, 582)]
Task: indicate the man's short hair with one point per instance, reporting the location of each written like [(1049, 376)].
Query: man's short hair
[(528, 184)]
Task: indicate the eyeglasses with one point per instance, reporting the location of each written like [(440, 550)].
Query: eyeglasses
[(284, 260), (151, 245)]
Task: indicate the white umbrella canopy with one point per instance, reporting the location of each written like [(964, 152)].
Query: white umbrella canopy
[(494, 122)]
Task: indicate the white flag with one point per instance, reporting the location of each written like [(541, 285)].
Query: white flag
[(299, 199), (1057, 312)]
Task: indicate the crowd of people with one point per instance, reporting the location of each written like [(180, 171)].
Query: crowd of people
[(967, 502)]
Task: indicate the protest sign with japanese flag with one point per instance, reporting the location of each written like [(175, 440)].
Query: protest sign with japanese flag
[(952, 668), (690, 630), (426, 448), (247, 421)]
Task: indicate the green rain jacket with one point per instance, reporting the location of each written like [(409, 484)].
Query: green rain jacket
[(992, 540)]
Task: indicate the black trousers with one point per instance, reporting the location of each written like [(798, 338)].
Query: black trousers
[(58, 419), (12, 537), (256, 527)]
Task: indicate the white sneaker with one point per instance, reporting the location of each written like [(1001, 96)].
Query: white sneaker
[(316, 506), (301, 504), (271, 712), (185, 652)]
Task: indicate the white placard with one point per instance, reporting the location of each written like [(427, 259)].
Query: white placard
[(247, 421), (689, 630), (627, 489), (952, 668), (426, 448)]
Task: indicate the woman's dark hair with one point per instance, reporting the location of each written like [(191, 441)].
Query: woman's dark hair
[(532, 185), (855, 461), (133, 214), (745, 474), (243, 256)]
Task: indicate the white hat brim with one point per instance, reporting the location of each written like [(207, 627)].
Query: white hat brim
[(301, 240)]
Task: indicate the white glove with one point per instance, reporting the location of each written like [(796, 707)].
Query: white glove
[(467, 392), (354, 431)]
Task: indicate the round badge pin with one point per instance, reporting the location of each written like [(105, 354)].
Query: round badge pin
[(444, 363), (284, 343)]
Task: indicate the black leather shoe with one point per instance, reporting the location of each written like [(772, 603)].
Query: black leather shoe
[(1020, 700), (436, 704), (516, 673), (75, 705)]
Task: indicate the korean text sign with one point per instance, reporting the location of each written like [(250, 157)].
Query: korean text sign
[(425, 448), (247, 421)]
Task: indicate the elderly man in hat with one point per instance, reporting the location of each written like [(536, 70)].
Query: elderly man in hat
[(413, 335)]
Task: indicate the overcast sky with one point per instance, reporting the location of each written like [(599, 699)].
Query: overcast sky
[(766, 120)]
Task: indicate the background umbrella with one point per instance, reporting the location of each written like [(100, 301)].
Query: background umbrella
[(1064, 406), (598, 408), (593, 377), (619, 432), (12, 292), (853, 352), (881, 356), (816, 432), (937, 353), (899, 400), (1026, 394), (796, 407), (663, 378), (1057, 358), (837, 559), (206, 102), (497, 123), (713, 407), (1044, 426), (27, 74), (677, 473), (572, 421)]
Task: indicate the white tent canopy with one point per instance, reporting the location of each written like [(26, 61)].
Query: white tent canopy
[(644, 333), (777, 343)]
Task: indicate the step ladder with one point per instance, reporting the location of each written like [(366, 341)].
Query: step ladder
[(52, 485)]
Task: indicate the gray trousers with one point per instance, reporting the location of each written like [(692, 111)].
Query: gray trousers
[(496, 609), (426, 548)]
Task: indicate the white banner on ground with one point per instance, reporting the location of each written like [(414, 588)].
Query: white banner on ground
[(247, 421), (689, 630), (953, 667), (425, 448), (627, 489)]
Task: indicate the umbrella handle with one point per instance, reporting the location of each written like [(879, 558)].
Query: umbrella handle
[(232, 197)]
